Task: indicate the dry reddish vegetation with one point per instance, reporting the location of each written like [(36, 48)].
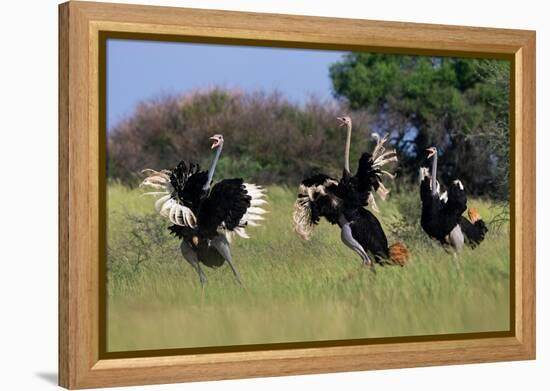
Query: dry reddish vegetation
[(268, 139)]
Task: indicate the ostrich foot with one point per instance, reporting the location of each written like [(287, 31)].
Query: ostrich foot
[(202, 296), (371, 266)]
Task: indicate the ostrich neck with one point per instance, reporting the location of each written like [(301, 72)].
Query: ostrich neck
[(434, 175), (213, 168), (348, 144)]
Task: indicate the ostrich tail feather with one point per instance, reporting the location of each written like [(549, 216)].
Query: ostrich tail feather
[(474, 215)]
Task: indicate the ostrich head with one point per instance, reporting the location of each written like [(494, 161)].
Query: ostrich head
[(344, 121), (431, 151), (217, 140)]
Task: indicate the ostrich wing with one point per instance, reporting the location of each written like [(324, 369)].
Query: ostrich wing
[(188, 182), (368, 178), (318, 196), (456, 200), (180, 190), (230, 207)]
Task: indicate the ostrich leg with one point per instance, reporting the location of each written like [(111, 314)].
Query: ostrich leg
[(348, 239), (221, 244), (191, 257), (456, 239)]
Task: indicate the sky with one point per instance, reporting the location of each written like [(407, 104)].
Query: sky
[(141, 70)]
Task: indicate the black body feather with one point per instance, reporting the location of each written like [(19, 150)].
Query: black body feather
[(368, 231), (226, 204), (456, 203)]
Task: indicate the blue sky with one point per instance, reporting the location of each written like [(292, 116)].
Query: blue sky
[(140, 70)]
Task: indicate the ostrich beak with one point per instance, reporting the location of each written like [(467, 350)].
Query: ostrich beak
[(342, 121), (217, 141), (431, 151)]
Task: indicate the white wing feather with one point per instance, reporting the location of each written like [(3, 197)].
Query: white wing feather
[(380, 158), (253, 213), (166, 205)]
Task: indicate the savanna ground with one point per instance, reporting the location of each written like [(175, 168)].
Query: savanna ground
[(296, 290)]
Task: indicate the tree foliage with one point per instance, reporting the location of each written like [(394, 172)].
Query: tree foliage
[(460, 105)]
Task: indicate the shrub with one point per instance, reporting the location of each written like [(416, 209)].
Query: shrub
[(267, 138)]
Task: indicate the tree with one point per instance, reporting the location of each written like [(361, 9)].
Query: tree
[(454, 103)]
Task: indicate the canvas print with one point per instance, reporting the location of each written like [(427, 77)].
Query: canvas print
[(259, 196)]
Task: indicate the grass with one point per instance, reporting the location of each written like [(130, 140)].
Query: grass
[(295, 290)]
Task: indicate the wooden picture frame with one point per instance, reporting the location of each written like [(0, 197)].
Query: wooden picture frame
[(82, 362)]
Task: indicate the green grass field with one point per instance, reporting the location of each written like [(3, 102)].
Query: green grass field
[(295, 290)]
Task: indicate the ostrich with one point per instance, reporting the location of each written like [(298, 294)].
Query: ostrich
[(205, 217), (343, 202), (442, 213)]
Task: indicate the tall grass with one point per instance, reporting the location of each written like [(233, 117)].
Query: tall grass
[(295, 290)]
